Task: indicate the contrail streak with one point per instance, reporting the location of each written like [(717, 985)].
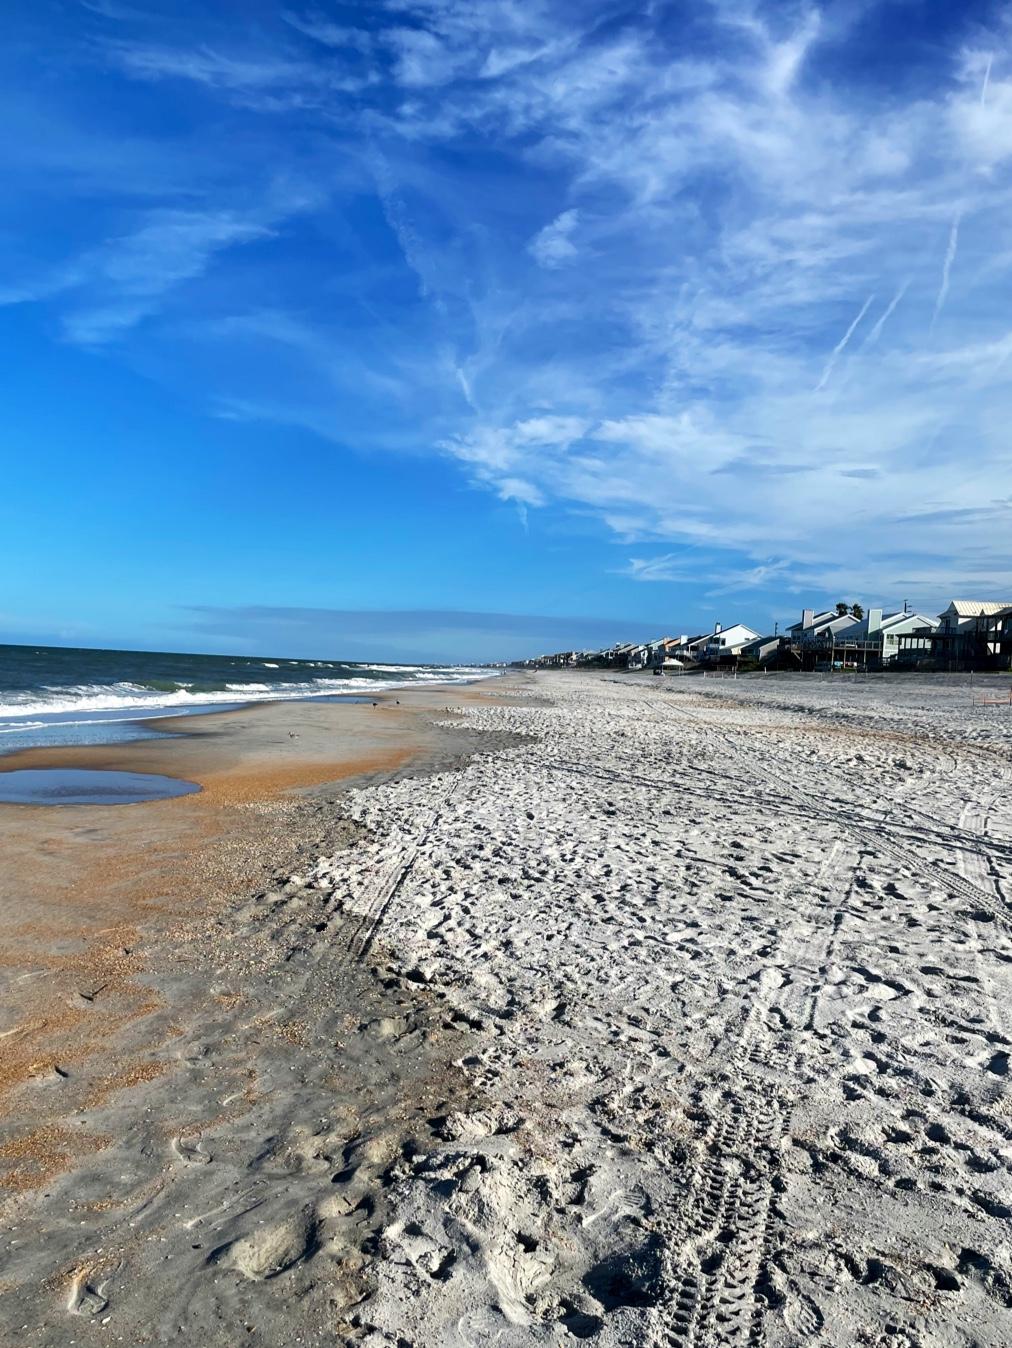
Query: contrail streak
[(876, 331), (950, 257), (465, 387), (1006, 345), (987, 79), (838, 348)]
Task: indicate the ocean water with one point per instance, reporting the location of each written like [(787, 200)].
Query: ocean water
[(62, 695)]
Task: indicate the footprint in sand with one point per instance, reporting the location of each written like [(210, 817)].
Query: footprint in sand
[(87, 1293), (190, 1153), (270, 1250)]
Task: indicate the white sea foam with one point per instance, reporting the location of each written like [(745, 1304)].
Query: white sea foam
[(22, 711), (398, 669), (62, 722)]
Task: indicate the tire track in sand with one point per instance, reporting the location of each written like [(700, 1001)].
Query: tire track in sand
[(729, 1222), (780, 769), (394, 873)]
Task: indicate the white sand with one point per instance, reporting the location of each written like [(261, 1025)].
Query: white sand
[(740, 955), (725, 972)]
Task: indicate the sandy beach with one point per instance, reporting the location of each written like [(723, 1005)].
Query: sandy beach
[(640, 1011)]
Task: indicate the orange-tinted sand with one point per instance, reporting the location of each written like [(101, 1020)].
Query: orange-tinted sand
[(85, 890)]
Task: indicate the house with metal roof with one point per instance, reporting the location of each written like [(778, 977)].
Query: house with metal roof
[(971, 633)]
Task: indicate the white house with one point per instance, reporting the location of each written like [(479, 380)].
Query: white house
[(824, 626), (728, 641), (885, 629)]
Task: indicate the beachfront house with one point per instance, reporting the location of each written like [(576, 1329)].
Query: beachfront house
[(617, 656), (1003, 624), (832, 640), (878, 635), (723, 644), (969, 632), (669, 654), (820, 627), (688, 648), (726, 643), (763, 650), (656, 654)]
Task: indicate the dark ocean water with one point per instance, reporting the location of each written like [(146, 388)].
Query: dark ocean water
[(62, 695)]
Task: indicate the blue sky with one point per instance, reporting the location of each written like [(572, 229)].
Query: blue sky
[(430, 329)]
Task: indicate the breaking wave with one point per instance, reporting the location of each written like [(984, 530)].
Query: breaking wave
[(20, 708)]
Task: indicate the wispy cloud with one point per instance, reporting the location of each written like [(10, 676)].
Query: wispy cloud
[(206, 66), (668, 567), (772, 572), (597, 263), (553, 246), (316, 25), (263, 82), (112, 9), (111, 288)]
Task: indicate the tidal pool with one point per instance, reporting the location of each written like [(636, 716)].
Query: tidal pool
[(85, 786)]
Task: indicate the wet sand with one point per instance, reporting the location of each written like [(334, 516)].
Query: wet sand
[(90, 895)]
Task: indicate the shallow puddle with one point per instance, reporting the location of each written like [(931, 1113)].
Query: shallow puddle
[(80, 786)]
